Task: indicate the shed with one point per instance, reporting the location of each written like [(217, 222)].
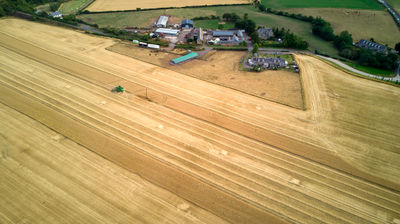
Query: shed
[(187, 23), (162, 21), (57, 14), (184, 58), (220, 33), (165, 31)]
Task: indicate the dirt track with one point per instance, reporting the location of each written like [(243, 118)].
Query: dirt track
[(232, 176)]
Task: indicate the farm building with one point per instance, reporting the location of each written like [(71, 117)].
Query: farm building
[(184, 58), (265, 33), (162, 21), (187, 23), (268, 63), (366, 44), (228, 36), (196, 34), (57, 14), (169, 32)]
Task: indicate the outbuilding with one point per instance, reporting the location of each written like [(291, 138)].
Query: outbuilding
[(187, 23), (170, 32), (162, 21), (57, 14), (184, 58)]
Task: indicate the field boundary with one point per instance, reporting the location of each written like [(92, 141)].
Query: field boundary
[(84, 6)]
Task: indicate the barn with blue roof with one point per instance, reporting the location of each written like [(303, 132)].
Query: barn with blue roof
[(187, 23)]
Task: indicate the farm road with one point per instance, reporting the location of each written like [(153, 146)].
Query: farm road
[(341, 64)]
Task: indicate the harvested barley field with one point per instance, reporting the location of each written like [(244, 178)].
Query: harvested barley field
[(59, 181), (225, 154), (116, 5), (223, 68)]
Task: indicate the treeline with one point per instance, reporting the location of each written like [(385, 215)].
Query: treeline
[(289, 39), (206, 17), (9, 7), (241, 23), (343, 42)]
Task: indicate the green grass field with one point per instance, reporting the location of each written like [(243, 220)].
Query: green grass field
[(395, 4), (370, 70), (362, 24), (212, 24), (146, 18), (44, 7), (72, 7), (346, 4)]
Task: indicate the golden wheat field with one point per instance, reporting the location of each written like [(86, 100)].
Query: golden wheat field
[(115, 5), (177, 149)]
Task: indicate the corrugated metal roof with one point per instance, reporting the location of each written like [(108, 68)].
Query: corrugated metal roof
[(167, 31), (185, 58), (162, 20), (223, 33)]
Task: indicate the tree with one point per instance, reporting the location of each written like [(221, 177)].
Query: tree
[(220, 26), (255, 48), (344, 40), (261, 7), (231, 17), (255, 38), (397, 47), (54, 6), (322, 29)]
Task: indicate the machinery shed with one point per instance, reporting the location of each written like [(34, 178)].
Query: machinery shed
[(184, 58)]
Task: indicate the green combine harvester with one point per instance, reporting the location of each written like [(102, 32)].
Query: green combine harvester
[(119, 89)]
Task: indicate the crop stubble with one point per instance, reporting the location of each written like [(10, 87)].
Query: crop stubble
[(202, 150)]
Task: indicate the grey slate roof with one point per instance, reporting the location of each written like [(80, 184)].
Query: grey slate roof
[(371, 45), (55, 14), (219, 33)]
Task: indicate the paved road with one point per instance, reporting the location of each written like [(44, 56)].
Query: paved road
[(396, 15), (205, 51), (396, 78)]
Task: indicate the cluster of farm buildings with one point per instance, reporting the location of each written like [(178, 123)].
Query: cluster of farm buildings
[(185, 32)]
